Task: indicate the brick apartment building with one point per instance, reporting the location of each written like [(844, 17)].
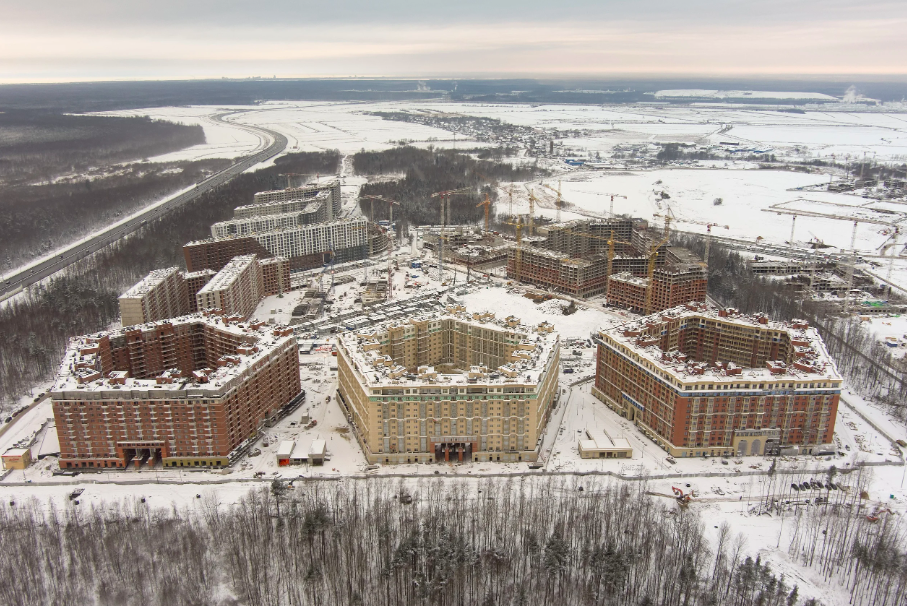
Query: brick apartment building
[(706, 383), (674, 285), (184, 392)]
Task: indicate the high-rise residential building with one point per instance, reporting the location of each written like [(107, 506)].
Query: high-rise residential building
[(449, 387), (159, 295), (236, 289), (183, 392), (701, 382), (674, 285)]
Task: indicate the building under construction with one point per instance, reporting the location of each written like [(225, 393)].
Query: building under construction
[(578, 257)]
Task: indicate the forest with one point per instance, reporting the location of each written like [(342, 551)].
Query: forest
[(427, 171), (35, 326), (520, 541), (63, 175)]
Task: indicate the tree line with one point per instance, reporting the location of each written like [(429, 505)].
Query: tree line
[(36, 326), (384, 542), (427, 171)]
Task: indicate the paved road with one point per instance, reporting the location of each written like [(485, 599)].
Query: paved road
[(14, 283)]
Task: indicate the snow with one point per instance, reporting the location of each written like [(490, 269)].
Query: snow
[(742, 94)]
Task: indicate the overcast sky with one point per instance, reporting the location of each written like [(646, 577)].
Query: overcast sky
[(64, 40)]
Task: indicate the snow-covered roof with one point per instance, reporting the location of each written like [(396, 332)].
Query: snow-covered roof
[(81, 370), (146, 284), (640, 340), (534, 348)]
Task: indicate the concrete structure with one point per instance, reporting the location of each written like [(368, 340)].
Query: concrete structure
[(162, 294), (185, 392), (597, 444), (701, 382), (449, 387), (275, 275), (307, 192), (236, 289), (16, 458), (674, 285), (572, 257), (159, 295)]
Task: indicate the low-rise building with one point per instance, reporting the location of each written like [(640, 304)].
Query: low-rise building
[(16, 458)]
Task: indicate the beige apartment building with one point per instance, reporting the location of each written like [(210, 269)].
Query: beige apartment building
[(236, 289), (449, 387)]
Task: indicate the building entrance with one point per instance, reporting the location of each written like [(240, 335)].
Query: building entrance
[(453, 451)]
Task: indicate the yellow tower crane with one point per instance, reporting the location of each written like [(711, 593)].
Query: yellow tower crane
[(487, 205), (532, 201), (650, 287), (445, 201), (518, 255)]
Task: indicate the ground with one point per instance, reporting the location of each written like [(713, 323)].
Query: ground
[(728, 492)]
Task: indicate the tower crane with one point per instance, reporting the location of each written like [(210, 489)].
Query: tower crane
[(558, 202), (611, 242), (487, 205), (708, 232), (390, 207), (289, 177), (518, 256), (668, 216), (510, 191), (650, 287), (532, 201), (445, 201)]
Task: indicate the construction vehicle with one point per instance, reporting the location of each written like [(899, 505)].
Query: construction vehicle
[(682, 497)]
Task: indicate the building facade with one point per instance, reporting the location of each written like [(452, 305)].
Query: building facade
[(449, 387), (674, 285), (236, 289), (184, 392), (706, 383), (159, 295)]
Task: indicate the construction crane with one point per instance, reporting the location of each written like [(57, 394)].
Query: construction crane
[(445, 200), (390, 207), (532, 201), (668, 216), (708, 232), (853, 238), (487, 205), (650, 287), (518, 256), (611, 208), (289, 177), (558, 201), (610, 240), (510, 191)]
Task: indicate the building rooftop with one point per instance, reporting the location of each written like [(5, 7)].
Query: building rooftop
[(80, 371), (536, 345), (228, 274), (149, 282), (811, 360)]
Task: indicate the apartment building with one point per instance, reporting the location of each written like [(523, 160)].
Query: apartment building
[(159, 295), (275, 275), (183, 392), (237, 289), (195, 281), (701, 382), (449, 386), (673, 286), (306, 192)]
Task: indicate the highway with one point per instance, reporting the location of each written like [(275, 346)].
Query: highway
[(16, 282)]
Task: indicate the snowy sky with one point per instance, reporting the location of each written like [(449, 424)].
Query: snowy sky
[(54, 40)]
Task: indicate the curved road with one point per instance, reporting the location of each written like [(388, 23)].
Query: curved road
[(14, 283)]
